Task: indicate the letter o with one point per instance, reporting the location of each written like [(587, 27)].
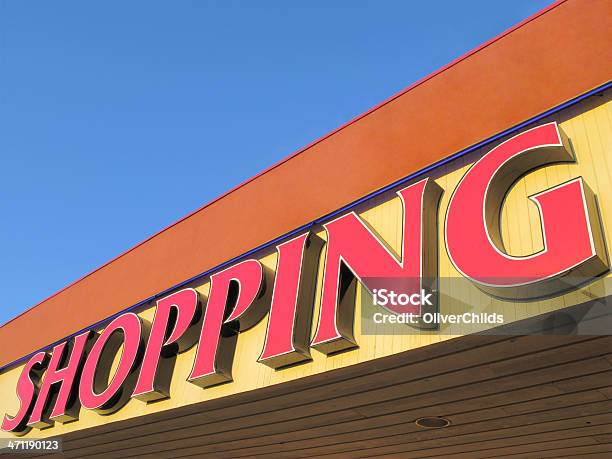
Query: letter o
[(95, 392)]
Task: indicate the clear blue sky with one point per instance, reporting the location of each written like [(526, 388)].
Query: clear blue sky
[(104, 103)]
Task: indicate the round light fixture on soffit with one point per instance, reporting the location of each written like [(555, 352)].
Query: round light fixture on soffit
[(432, 422)]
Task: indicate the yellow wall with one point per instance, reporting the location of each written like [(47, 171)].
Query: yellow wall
[(589, 125)]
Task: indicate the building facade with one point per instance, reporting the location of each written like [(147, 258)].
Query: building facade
[(261, 325)]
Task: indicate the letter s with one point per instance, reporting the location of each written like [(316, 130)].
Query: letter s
[(27, 391), (381, 299)]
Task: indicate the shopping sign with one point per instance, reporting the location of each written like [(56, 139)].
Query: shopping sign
[(79, 373)]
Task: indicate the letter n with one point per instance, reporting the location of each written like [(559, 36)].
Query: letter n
[(355, 252)]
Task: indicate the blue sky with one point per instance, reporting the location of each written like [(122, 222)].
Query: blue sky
[(118, 118)]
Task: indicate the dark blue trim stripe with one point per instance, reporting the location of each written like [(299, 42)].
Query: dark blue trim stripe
[(329, 216)]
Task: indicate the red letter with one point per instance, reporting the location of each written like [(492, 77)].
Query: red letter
[(95, 392), (173, 317), (289, 324), (573, 243), (233, 292), (353, 250), (60, 382), (27, 388)]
